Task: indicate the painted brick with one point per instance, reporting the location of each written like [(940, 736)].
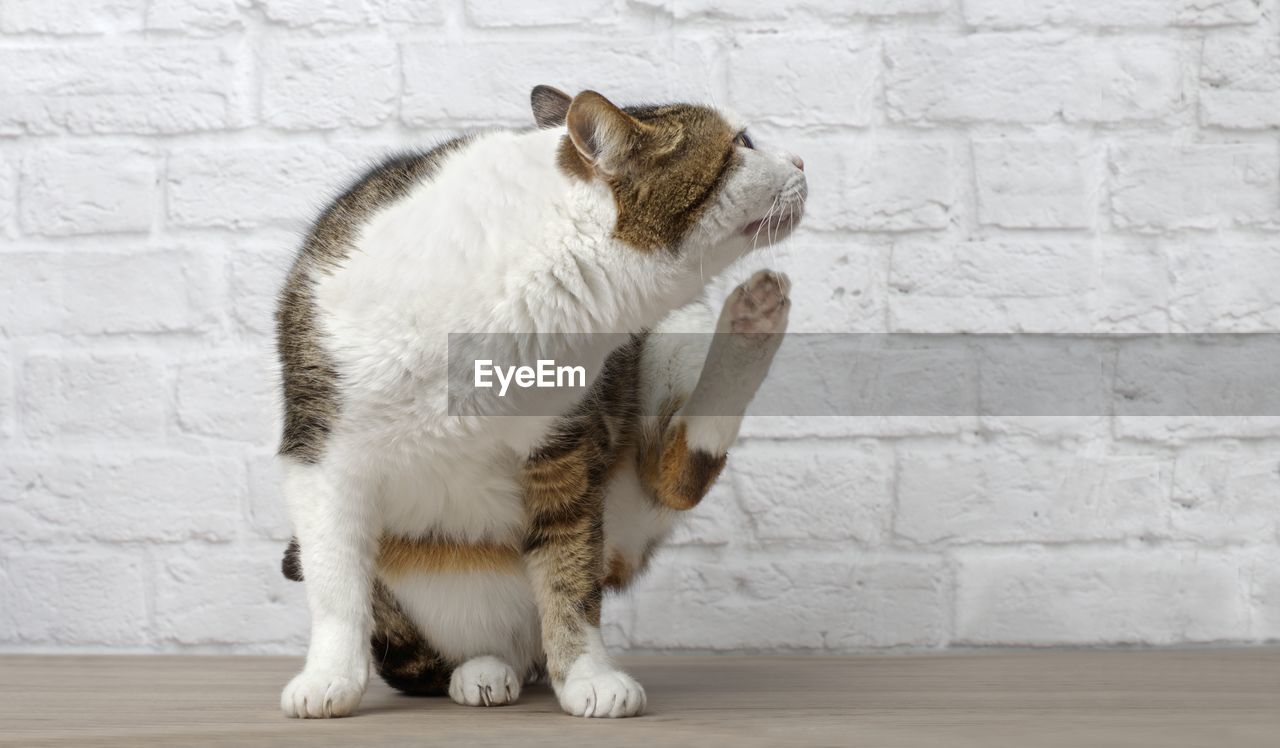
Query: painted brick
[(1133, 292), (842, 282), (1072, 596), (782, 489), (998, 495), (257, 274), (212, 593), (395, 14), (70, 17), (1240, 82), (1032, 184), (149, 291), (98, 292), (80, 596), (8, 406), (791, 603), (119, 498), (1185, 429), (1004, 78), (228, 395), (8, 198), (109, 396), (1112, 13), (321, 15), (1222, 287), (777, 78), (1158, 187), (1226, 495), (881, 185), (785, 10), (153, 89), (31, 293), (330, 84), (87, 191), (514, 13), (199, 17), (236, 188), (1005, 286), (267, 512), (494, 78), (1264, 592)]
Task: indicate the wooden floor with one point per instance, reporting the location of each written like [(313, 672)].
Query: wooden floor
[(1153, 698)]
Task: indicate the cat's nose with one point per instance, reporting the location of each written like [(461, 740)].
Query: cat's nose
[(799, 162)]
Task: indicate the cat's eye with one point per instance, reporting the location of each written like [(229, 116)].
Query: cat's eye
[(742, 140)]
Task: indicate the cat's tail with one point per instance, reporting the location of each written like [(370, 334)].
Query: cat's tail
[(291, 564)]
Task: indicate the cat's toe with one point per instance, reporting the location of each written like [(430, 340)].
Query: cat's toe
[(758, 308), (484, 681)]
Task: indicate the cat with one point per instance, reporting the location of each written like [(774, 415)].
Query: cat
[(468, 553)]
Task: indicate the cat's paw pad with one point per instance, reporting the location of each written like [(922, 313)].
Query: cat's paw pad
[(322, 694), (484, 681), (757, 309), (611, 693)]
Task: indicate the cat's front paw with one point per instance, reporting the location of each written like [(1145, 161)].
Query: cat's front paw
[(757, 310), (609, 693), (484, 681), (317, 693)]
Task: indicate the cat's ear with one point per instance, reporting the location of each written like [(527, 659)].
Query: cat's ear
[(550, 106), (605, 135)]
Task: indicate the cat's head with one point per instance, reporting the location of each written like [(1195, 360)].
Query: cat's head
[(686, 179)]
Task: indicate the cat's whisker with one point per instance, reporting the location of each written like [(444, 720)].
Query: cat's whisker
[(755, 240)]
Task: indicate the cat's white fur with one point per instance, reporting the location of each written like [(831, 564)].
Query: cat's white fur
[(499, 240)]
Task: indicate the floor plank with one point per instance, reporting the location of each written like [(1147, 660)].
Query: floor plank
[(1025, 699)]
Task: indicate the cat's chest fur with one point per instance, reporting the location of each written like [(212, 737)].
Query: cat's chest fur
[(444, 260)]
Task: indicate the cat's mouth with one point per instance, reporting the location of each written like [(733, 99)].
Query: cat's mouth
[(775, 225), (769, 226), (783, 216)]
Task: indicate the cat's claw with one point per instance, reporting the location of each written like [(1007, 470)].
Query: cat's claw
[(484, 681), (611, 693), (320, 694)]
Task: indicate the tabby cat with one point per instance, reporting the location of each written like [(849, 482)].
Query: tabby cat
[(468, 552)]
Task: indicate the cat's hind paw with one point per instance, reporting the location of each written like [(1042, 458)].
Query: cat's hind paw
[(758, 309), (484, 681)]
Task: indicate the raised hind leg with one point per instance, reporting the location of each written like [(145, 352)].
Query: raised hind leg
[(682, 453)]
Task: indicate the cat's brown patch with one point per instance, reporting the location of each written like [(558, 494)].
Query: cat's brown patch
[(618, 576), (401, 555), (309, 377), (676, 161), (678, 475)]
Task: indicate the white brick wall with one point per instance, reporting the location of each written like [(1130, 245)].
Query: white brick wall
[(975, 165)]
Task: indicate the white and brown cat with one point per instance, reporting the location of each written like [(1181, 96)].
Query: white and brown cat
[(467, 553)]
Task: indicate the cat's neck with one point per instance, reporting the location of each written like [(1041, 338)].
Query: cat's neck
[(575, 276)]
